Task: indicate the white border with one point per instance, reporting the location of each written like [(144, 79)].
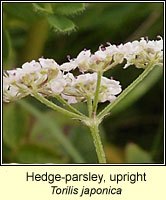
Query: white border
[(15, 164)]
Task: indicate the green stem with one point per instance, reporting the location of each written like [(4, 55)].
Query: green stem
[(57, 108), (98, 144), (126, 91), (89, 102), (71, 108), (99, 75)]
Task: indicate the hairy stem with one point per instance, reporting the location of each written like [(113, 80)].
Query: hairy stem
[(57, 108), (71, 108), (126, 91), (99, 75), (98, 144), (89, 103)]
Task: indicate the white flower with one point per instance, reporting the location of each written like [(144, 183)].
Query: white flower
[(70, 99), (68, 66), (48, 63), (30, 67), (83, 57), (143, 53), (11, 92), (83, 60), (47, 78), (84, 86), (56, 85), (139, 53), (111, 50), (44, 78)]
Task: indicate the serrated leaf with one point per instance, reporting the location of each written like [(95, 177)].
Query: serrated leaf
[(38, 7), (14, 123), (6, 45), (135, 154), (31, 154), (60, 23), (68, 8)]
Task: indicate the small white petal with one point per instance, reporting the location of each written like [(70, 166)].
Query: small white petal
[(48, 63), (70, 99), (68, 66)]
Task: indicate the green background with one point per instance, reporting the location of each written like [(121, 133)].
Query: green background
[(133, 133)]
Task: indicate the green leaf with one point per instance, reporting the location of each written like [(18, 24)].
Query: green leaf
[(135, 154), (31, 153), (14, 124), (21, 11), (60, 23), (6, 45), (40, 8), (68, 8)]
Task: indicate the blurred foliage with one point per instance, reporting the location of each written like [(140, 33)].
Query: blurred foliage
[(134, 154), (133, 133)]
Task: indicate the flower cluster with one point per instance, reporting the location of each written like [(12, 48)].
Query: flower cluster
[(143, 53), (47, 78), (82, 87), (43, 77), (139, 53)]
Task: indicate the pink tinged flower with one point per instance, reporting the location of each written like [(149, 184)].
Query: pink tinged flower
[(143, 52), (85, 85), (68, 66), (111, 98), (48, 63), (111, 50), (12, 93), (106, 97), (69, 78), (114, 86), (108, 43), (83, 56), (68, 57), (99, 55), (70, 99), (57, 86), (9, 92), (30, 67)]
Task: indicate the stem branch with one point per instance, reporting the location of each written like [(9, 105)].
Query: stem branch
[(57, 108), (71, 108), (126, 91)]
